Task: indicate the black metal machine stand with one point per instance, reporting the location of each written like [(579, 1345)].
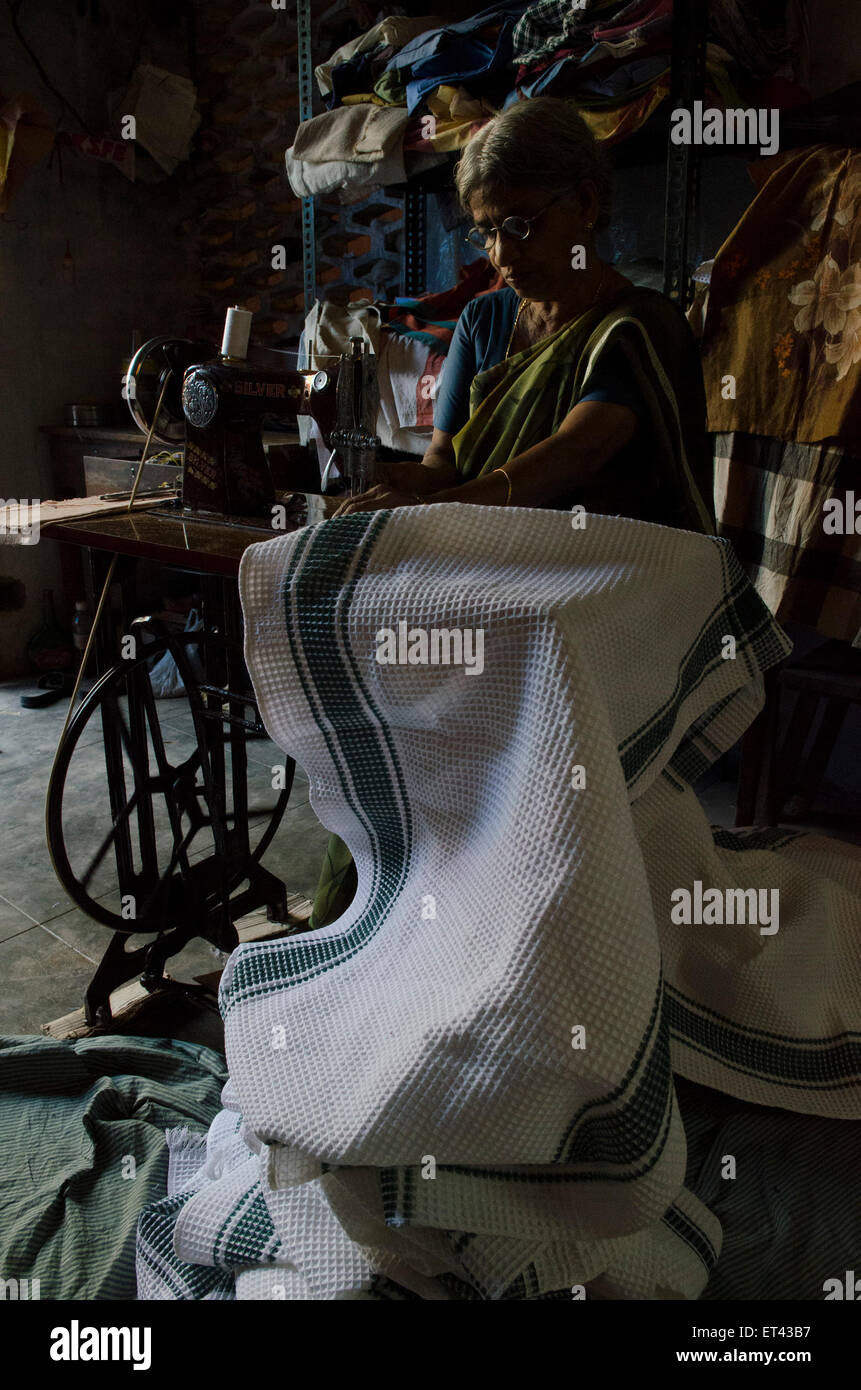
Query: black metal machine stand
[(165, 814)]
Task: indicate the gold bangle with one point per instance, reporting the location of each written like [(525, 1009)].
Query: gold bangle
[(508, 481)]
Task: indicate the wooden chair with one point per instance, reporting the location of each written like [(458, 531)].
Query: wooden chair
[(778, 781)]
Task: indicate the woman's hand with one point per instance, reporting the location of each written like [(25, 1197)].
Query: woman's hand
[(404, 483), (377, 499)]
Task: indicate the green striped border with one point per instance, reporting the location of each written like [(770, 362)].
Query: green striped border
[(325, 568), (743, 611), (820, 1064)]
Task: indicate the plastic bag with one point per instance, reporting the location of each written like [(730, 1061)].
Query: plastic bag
[(164, 676)]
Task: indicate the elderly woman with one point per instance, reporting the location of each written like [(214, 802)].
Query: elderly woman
[(571, 385)]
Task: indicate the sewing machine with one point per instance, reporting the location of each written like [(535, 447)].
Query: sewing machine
[(216, 406)]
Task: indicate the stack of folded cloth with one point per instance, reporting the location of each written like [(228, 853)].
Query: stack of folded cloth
[(419, 88), (613, 60), (351, 149), (400, 68)]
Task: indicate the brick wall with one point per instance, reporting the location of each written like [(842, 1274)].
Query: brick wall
[(247, 77)]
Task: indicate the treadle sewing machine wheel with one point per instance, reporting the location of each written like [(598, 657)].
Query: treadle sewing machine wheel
[(175, 846), (158, 364)]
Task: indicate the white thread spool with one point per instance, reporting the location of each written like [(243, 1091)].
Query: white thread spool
[(237, 330)]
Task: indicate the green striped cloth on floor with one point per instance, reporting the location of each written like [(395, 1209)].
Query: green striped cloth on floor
[(787, 1201), (82, 1151)]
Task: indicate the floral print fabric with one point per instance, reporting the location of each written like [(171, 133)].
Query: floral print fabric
[(781, 344)]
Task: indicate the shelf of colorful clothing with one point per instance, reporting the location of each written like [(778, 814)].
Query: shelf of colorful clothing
[(404, 92), (610, 53), (391, 150)]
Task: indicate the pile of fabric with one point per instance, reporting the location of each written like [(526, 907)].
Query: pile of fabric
[(463, 1088), (614, 60), (781, 355), (408, 368), (438, 83), (351, 150), (616, 63)]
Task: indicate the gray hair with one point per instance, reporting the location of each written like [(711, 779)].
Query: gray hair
[(542, 142)]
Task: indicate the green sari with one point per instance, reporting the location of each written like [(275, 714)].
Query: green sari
[(525, 399)]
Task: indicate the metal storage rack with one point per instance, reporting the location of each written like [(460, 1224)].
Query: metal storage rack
[(690, 27), (306, 71)]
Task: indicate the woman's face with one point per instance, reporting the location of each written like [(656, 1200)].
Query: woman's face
[(539, 267)]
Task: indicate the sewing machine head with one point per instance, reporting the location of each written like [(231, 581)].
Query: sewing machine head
[(225, 404), (221, 406)]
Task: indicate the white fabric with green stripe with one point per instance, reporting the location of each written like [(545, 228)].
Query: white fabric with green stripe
[(463, 1088)]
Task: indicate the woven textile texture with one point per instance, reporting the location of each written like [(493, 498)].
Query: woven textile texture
[(771, 500), (82, 1152), (463, 1088)]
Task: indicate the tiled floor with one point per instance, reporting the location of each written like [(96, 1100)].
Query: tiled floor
[(49, 948)]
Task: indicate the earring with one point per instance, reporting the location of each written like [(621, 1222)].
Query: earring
[(589, 226)]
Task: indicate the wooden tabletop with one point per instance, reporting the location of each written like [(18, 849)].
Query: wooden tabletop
[(129, 434), (190, 540)]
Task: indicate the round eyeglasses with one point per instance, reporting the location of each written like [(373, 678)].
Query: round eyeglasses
[(518, 228)]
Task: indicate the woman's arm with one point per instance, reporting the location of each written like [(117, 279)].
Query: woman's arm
[(589, 436), (439, 460)]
